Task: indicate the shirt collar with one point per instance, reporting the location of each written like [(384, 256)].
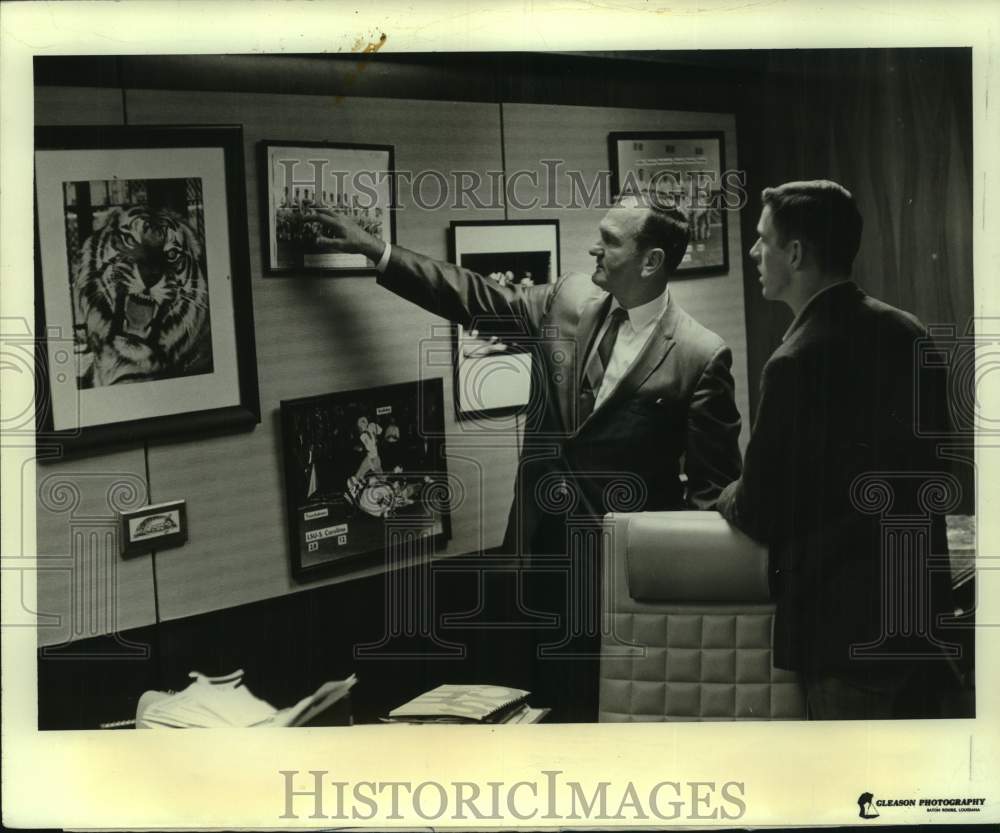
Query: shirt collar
[(798, 318), (644, 314)]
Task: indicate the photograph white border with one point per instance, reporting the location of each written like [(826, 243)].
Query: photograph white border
[(794, 774), (496, 385), (162, 397)]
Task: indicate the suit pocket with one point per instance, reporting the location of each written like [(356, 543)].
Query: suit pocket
[(656, 412)]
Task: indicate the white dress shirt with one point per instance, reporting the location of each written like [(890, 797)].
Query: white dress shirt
[(633, 334), (384, 260)]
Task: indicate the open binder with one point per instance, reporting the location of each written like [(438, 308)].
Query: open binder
[(468, 704)]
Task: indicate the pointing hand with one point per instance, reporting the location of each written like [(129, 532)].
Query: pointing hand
[(339, 233)]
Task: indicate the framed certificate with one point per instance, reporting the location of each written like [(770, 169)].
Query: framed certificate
[(684, 170)]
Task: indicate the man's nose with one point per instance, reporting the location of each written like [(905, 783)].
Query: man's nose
[(596, 250)]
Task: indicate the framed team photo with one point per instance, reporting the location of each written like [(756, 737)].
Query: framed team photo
[(365, 475), (354, 180), (143, 304), (686, 170), (492, 361)]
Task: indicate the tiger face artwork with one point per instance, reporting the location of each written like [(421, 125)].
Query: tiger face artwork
[(140, 300)]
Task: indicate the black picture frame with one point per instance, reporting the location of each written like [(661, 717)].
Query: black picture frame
[(90, 174), (156, 527), (669, 164), (352, 490), (360, 180), (488, 384)]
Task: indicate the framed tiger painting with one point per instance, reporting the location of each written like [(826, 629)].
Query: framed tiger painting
[(143, 305)]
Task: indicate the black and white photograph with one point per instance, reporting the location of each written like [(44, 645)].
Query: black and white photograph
[(359, 463), (493, 357), (565, 431), (127, 334), (353, 180)]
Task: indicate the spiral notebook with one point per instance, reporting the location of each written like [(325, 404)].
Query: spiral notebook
[(462, 704)]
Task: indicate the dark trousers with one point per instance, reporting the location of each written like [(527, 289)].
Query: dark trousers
[(565, 654), (901, 691), (563, 582)]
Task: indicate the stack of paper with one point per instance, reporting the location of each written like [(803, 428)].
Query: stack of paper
[(216, 702)]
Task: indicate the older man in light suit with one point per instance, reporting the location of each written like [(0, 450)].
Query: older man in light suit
[(632, 392)]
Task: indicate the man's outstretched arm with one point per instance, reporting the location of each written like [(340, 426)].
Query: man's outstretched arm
[(458, 294)]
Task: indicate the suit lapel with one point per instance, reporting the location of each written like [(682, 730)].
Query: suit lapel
[(660, 343)]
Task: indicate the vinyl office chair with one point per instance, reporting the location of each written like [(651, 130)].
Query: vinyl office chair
[(687, 623)]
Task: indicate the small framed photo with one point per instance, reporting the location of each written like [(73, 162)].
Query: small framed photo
[(143, 284), (356, 180), (364, 470), (156, 527), (492, 361), (686, 170)]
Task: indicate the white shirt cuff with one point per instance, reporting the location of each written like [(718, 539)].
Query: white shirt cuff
[(384, 260)]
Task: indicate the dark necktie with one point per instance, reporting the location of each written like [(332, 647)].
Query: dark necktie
[(597, 364)]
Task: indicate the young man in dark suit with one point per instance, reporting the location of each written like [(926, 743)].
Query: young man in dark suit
[(629, 391), (840, 478)]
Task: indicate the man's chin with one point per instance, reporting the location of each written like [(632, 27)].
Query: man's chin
[(599, 278)]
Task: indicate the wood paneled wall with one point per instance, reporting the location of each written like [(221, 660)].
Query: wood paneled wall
[(894, 127), (318, 335)]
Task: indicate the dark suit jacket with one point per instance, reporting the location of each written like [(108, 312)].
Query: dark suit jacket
[(675, 401), (839, 400)]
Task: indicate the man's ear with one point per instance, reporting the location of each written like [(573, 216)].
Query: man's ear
[(652, 262), (795, 253)]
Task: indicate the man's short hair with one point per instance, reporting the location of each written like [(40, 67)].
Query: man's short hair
[(666, 227), (823, 216)]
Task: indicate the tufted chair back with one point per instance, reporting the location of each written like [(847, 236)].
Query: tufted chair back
[(687, 623)]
